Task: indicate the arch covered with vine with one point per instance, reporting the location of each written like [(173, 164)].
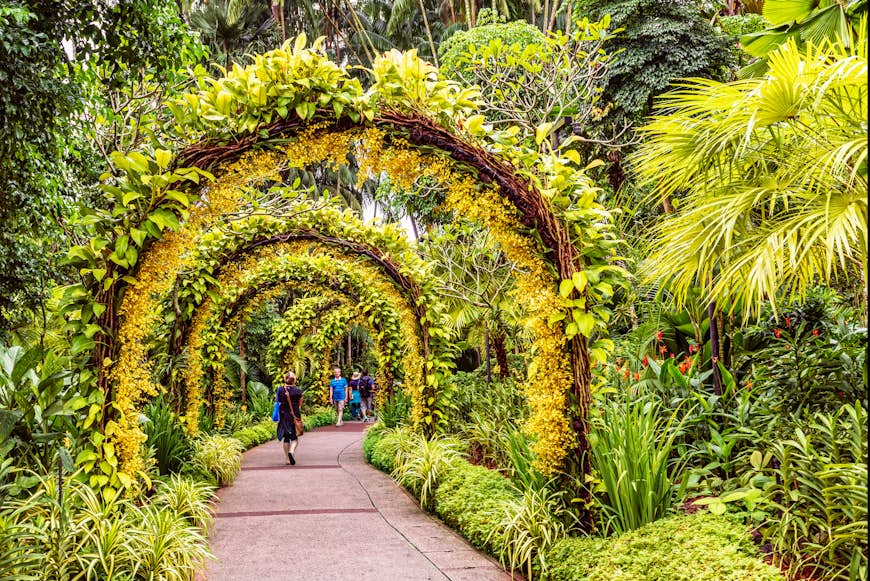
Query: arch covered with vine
[(271, 271), (292, 107), (302, 317)]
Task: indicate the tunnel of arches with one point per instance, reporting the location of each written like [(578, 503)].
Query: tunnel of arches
[(204, 224)]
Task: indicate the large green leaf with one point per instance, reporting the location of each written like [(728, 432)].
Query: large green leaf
[(786, 11)]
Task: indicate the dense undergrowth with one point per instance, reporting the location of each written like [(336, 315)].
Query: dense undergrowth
[(770, 473)]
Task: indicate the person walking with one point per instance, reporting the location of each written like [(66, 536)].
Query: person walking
[(338, 394), (289, 398), (355, 400), (366, 393)]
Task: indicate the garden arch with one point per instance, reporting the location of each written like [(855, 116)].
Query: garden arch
[(302, 316), (293, 105), (212, 335), (328, 334)]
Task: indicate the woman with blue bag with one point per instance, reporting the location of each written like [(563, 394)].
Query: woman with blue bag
[(288, 400)]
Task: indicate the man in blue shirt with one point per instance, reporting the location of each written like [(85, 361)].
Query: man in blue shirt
[(338, 394)]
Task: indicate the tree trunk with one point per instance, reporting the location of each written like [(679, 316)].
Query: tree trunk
[(498, 343), (714, 347), (414, 225), (428, 32), (486, 349), (583, 397), (242, 375), (349, 352)]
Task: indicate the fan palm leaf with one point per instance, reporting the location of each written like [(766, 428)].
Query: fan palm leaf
[(774, 176)]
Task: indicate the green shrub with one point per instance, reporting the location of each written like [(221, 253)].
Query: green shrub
[(816, 493), (395, 411), (422, 462), (319, 416), (168, 547), (91, 537), (255, 435), (235, 419), (381, 447), (631, 449), (187, 498), (166, 437), (699, 547), (219, 455), (456, 50), (530, 526), (261, 398), (472, 500)]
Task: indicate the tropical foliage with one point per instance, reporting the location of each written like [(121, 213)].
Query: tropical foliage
[(605, 345)]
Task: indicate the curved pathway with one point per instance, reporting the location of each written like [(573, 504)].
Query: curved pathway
[(331, 517)]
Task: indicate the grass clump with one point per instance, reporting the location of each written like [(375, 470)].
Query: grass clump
[(220, 456)]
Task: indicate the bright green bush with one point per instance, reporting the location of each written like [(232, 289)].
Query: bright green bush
[(219, 455), (530, 526), (455, 49), (699, 547), (631, 453), (395, 411), (816, 493), (384, 445), (421, 463), (472, 500), (91, 537), (319, 416), (259, 433), (169, 547), (187, 498)]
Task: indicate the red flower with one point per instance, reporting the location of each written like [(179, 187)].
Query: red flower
[(645, 361), (788, 346), (815, 332), (637, 376), (672, 355), (777, 333), (693, 348), (788, 322), (626, 374), (840, 394), (659, 335)]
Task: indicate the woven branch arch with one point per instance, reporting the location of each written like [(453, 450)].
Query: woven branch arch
[(213, 336), (300, 318), (292, 107), (383, 246)]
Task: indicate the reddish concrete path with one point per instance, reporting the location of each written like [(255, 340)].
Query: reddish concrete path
[(331, 517)]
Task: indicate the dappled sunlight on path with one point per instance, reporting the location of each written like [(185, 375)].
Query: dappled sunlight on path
[(331, 517)]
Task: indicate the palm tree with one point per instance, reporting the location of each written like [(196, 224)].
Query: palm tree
[(229, 26), (774, 172)]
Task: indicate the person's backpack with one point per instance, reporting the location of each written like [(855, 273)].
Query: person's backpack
[(365, 386)]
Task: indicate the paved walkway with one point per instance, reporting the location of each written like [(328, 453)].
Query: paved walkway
[(332, 517)]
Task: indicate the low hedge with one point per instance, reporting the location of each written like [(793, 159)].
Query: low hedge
[(697, 547), (264, 430), (471, 499), (319, 416), (259, 433), (701, 547), (468, 498)]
